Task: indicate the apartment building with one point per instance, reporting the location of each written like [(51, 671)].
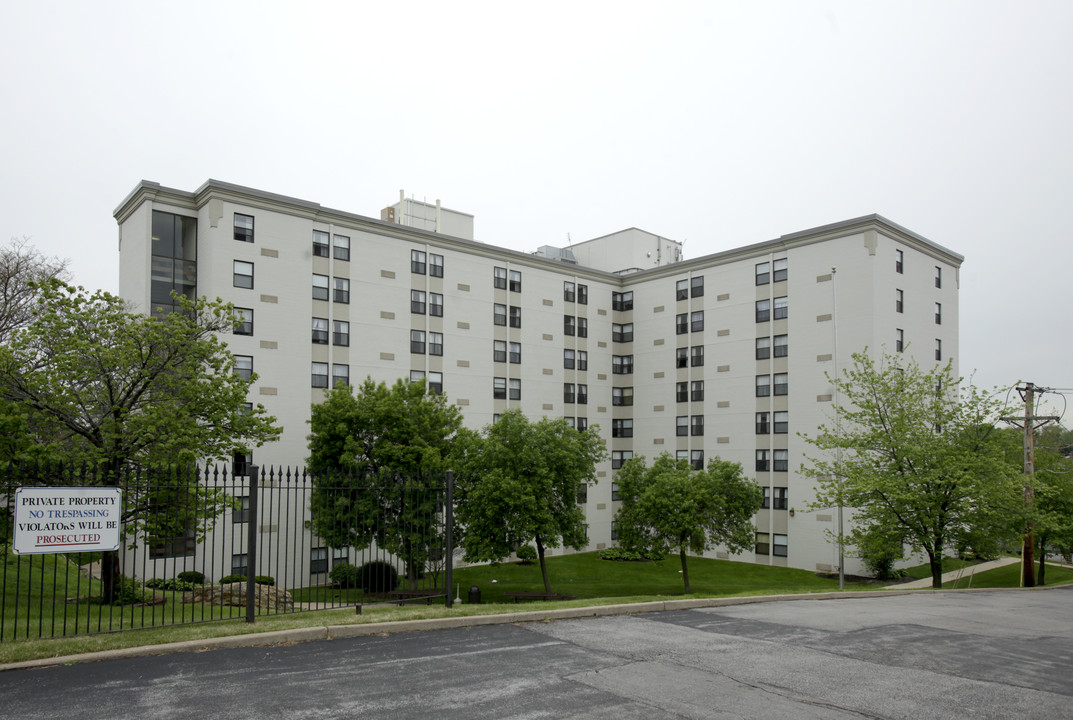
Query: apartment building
[(723, 355)]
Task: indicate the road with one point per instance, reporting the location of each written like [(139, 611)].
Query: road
[(979, 655)]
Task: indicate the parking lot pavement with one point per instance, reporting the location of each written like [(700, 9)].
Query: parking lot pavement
[(930, 655)]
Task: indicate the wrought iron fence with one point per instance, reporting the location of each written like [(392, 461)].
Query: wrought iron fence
[(206, 544)]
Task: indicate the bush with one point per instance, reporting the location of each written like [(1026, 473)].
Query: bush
[(259, 579), (191, 576), (377, 576), (344, 575), (526, 554), (174, 584), (622, 555), (128, 592)]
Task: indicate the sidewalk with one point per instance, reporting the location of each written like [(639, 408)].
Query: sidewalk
[(962, 574)]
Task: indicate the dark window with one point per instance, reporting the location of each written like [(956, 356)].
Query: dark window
[(618, 457), (341, 247), (681, 425), (417, 342), (782, 422), (174, 260), (515, 316), (582, 327), (622, 333), (782, 385), (243, 227), (320, 375), (696, 393), (763, 385), (622, 428), (568, 393), (435, 265), (763, 273), (340, 556), (938, 313), (763, 460), (622, 396), (320, 244), (582, 294), (244, 366), (582, 424), (515, 284), (696, 355), (782, 461), (696, 425), (515, 352), (243, 275), (622, 364), (763, 427), (320, 331), (499, 278), (569, 291), (417, 262), (435, 343), (781, 308), (681, 357), (681, 392), (435, 383), (899, 258), (938, 349), (696, 321), (244, 319), (622, 301), (778, 545), (782, 347), (696, 286), (582, 360), (417, 302), (696, 459), (241, 464), (569, 326), (515, 386), (899, 339), (340, 375), (780, 499), (681, 290), (763, 348), (318, 560), (899, 297), (320, 287), (763, 543), (342, 290), (435, 304), (763, 310), (568, 359), (766, 502), (241, 513), (681, 324), (499, 388), (238, 564), (341, 333), (499, 351), (499, 316), (582, 399), (780, 268), (938, 276)]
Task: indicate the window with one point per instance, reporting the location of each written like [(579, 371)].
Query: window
[(622, 364), (938, 349), (681, 324), (696, 286), (244, 320), (435, 265), (782, 422), (499, 278), (568, 359), (340, 556), (416, 375), (515, 352), (681, 290), (569, 393), (435, 382), (763, 385), (622, 332), (320, 331), (342, 290), (582, 424), (582, 360), (238, 564), (320, 244), (696, 425), (435, 343), (582, 294), (766, 502), (782, 347), (174, 260), (340, 333), (696, 355), (515, 316), (569, 292), (417, 342), (622, 396), (244, 366), (582, 399), (782, 383), (681, 455), (938, 313), (241, 464), (417, 262), (899, 258), (622, 301), (243, 275), (696, 321), (417, 302), (779, 267), (243, 227), (318, 560), (763, 543), (341, 246), (582, 327), (899, 339), (681, 392), (320, 287), (340, 375), (435, 304), (499, 351), (617, 458), (696, 459), (320, 375), (778, 545), (782, 461), (696, 393), (499, 316), (583, 488), (241, 513), (782, 307), (763, 276), (938, 276), (763, 427), (763, 460), (763, 310), (515, 386), (681, 357), (499, 388), (780, 499), (515, 284), (569, 327), (899, 301), (763, 348), (681, 425), (622, 428)]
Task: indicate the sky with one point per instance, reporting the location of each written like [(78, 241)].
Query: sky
[(719, 124)]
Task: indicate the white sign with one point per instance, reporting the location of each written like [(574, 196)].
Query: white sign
[(67, 519)]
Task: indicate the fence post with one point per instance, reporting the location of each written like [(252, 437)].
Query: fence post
[(251, 546), (450, 536)]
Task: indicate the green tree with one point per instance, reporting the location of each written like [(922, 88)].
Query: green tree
[(670, 507), (23, 270), (518, 482), (916, 455), (377, 458)]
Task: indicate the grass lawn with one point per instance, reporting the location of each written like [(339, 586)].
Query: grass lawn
[(1009, 576), (920, 572)]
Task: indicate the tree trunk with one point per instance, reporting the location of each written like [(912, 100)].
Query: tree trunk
[(935, 562), (685, 567), (543, 567), (110, 576), (1042, 558)]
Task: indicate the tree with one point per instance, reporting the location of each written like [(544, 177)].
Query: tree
[(376, 458), (669, 506), (518, 482), (23, 270), (916, 454)]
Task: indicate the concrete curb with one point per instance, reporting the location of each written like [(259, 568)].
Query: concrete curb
[(333, 632)]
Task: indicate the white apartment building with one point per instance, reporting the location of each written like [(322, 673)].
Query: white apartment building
[(723, 355)]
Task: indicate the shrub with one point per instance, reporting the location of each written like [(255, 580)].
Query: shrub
[(259, 579), (174, 584), (128, 592), (526, 554), (344, 575), (622, 555), (191, 576), (377, 576)]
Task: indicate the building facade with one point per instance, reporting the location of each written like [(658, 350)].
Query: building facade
[(724, 355)]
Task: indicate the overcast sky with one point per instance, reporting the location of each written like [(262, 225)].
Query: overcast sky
[(718, 124)]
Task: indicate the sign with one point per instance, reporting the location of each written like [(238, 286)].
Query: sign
[(67, 519)]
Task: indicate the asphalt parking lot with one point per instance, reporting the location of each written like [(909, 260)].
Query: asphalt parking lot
[(1000, 654)]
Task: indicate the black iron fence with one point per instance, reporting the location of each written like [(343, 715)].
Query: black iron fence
[(205, 544)]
